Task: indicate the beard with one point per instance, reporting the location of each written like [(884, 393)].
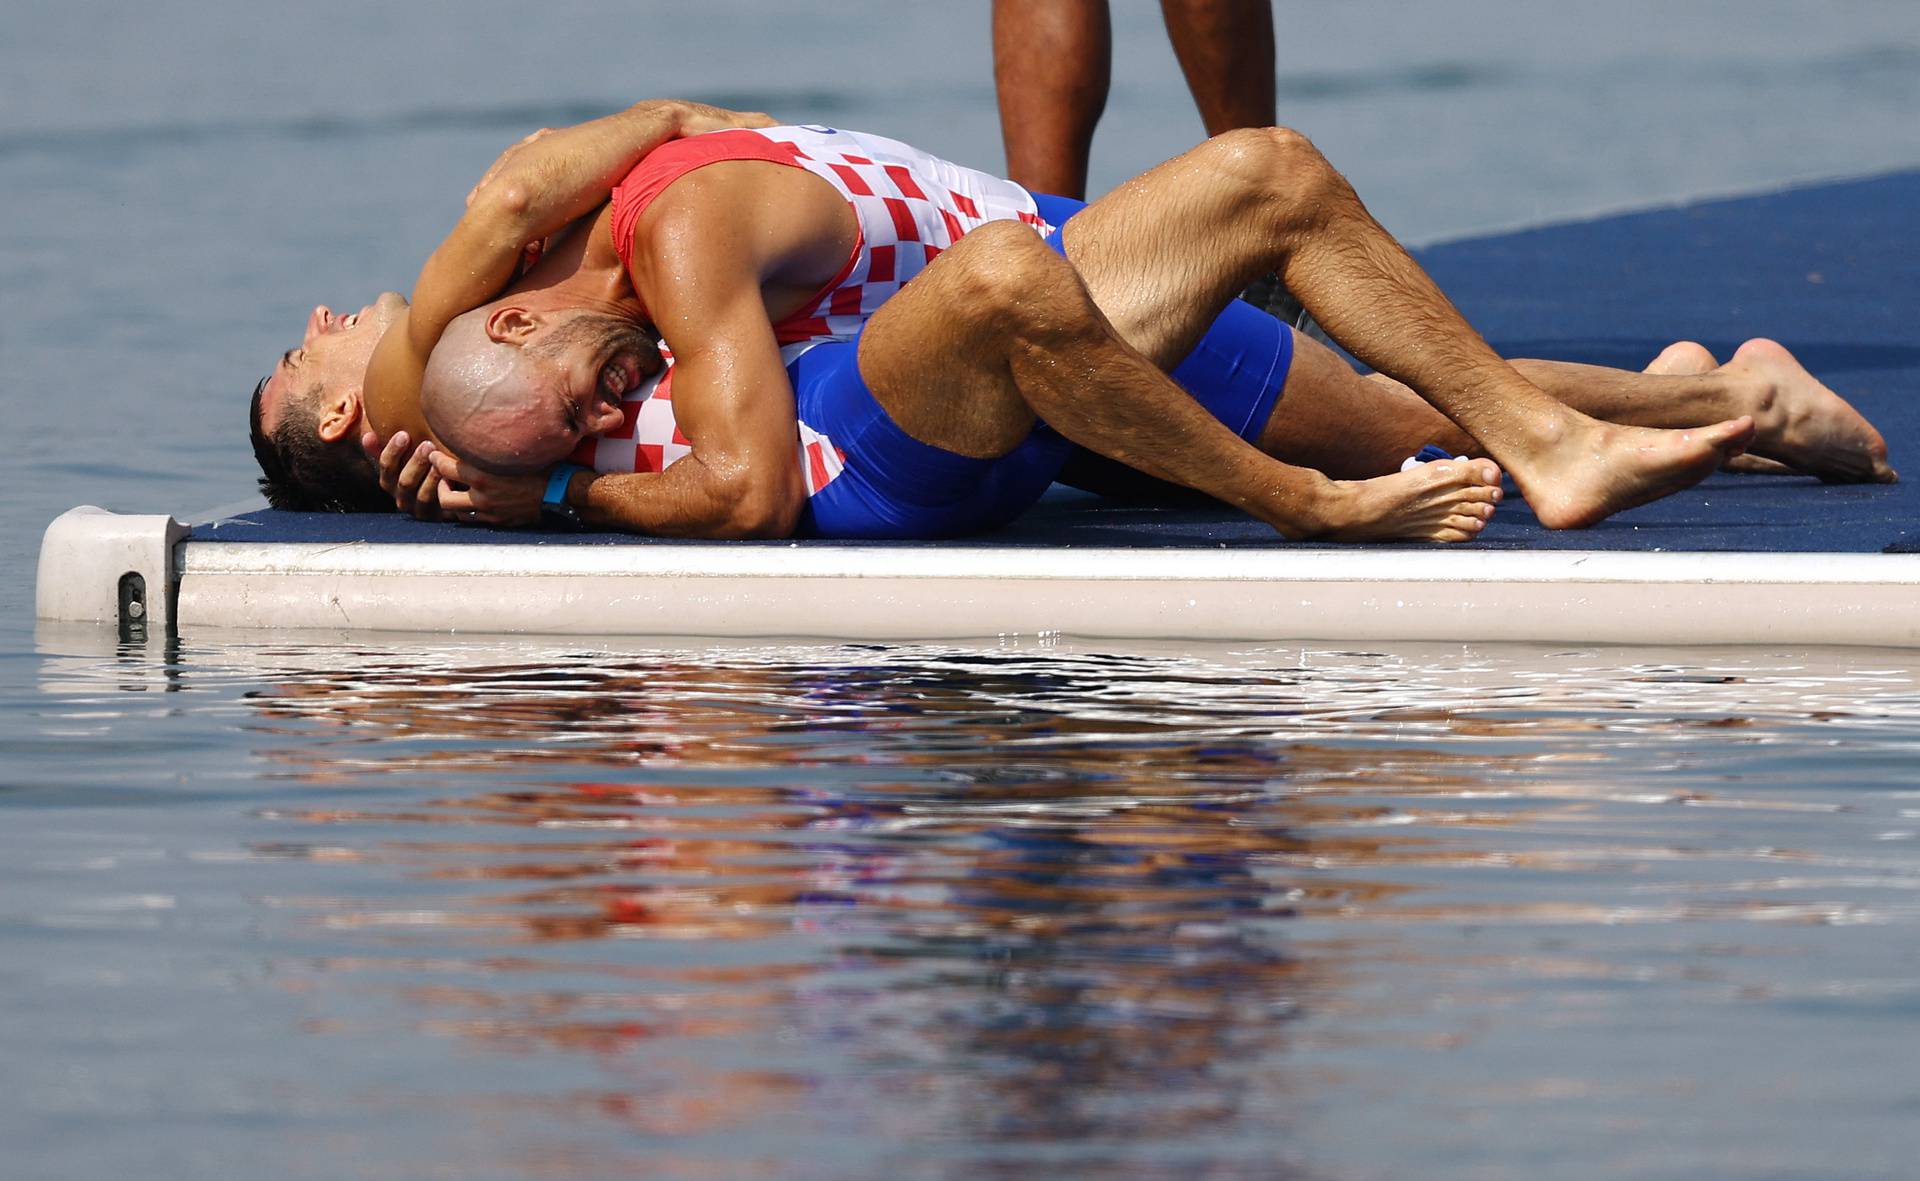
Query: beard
[(593, 333)]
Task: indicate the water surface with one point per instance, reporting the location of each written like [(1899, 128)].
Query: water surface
[(502, 910)]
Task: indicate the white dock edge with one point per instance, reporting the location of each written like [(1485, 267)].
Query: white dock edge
[(959, 591), (109, 569), (967, 592)]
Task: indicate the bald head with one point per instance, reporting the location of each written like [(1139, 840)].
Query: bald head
[(478, 394), (513, 391)]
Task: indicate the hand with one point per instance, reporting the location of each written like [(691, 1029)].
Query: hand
[(407, 477), (699, 118), (474, 497)]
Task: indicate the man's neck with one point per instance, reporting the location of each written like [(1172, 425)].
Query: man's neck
[(581, 270)]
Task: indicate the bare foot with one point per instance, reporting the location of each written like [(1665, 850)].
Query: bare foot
[(1600, 468), (1446, 500), (1805, 425), (1686, 358)]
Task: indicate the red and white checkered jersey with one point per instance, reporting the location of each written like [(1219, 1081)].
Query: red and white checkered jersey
[(909, 205), (649, 440)]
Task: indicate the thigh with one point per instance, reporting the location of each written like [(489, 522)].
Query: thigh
[(936, 354), (1163, 253)]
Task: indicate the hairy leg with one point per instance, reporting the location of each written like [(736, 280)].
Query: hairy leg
[(1797, 420), (1000, 331), (1163, 252), (1051, 68), (1225, 49), (1799, 424), (1350, 426)]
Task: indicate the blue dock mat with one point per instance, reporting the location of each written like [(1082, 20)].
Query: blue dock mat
[(1830, 270)]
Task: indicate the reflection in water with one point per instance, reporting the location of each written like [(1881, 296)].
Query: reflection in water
[(1051, 926), (1123, 915)]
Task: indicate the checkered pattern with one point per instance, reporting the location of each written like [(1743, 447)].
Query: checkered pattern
[(910, 206), (649, 440)]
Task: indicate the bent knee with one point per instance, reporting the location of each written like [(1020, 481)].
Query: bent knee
[(1260, 151), (1271, 161), (1006, 269)]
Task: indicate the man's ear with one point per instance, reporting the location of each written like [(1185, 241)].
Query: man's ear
[(339, 416), (512, 325)]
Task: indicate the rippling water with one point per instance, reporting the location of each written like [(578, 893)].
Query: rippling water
[(494, 910)]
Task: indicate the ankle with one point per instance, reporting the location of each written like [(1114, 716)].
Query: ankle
[(1762, 405), (1312, 506), (1529, 426)]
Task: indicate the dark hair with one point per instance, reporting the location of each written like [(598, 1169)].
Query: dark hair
[(305, 473)]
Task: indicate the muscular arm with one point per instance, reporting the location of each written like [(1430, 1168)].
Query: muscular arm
[(734, 404), (535, 189), (718, 257)]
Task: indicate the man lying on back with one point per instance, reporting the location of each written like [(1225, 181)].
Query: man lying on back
[(740, 244), (309, 413)]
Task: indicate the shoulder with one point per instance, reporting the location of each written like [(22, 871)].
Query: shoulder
[(720, 193), (759, 207)]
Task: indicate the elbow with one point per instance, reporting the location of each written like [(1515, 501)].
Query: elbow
[(765, 521), (766, 510), (506, 202)]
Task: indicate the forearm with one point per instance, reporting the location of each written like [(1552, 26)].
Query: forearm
[(564, 174), (686, 500)]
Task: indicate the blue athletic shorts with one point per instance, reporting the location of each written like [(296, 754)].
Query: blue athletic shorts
[(894, 486)]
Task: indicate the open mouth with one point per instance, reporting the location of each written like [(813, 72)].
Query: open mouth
[(619, 377)]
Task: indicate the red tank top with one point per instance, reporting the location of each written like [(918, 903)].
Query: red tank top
[(909, 207)]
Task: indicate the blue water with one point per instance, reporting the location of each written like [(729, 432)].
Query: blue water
[(405, 908), (350, 906)]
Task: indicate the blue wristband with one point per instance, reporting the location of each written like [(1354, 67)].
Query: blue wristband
[(557, 484)]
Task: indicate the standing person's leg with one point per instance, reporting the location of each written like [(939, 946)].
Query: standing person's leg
[(1226, 51), (1052, 63), (1164, 252), (1000, 332)]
